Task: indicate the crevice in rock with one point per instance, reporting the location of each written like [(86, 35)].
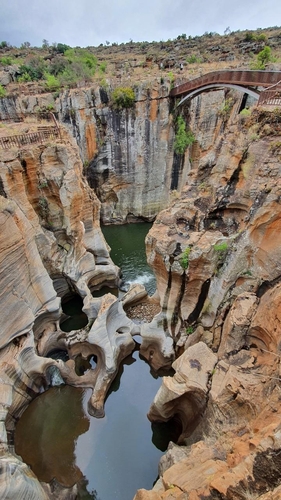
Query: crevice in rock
[(267, 285), (243, 103), (2, 190), (222, 316), (58, 354), (230, 188), (83, 365), (258, 202), (24, 165), (103, 96), (176, 313), (204, 173), (201, 299), (165, 301), (267, 470), (178, 163)]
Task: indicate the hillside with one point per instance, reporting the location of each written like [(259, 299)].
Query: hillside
[(52, 67)]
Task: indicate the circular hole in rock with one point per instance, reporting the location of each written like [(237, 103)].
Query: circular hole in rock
[(83, 365), (72, 307), (58, 354)]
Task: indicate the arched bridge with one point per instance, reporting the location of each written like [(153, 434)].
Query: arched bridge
[(252, 82)]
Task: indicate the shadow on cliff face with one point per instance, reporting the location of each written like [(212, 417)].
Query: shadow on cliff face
[(164, 432)]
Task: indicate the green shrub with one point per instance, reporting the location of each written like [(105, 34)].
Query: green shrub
[(2, 91), (263, 57), (78, 64), (183, 137), (123, 97), (57, 65), (189, 330), (221, 247), (184, 260), (74, 73), (245, 112), (226, 108), (261, 38), (60, 48), (83, 56), (193, 59), (32, 71), (52, 83), (250, 37), (102, 67), (171, 77), (43, 204), (6, 60)]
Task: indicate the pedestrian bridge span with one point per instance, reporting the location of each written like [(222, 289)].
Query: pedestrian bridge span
[(252, 82)]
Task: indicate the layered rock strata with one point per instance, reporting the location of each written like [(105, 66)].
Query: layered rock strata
[(127, 154), (215, 253), (52, 248)]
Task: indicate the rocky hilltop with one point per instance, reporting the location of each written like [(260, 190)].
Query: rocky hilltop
[(214, 248)]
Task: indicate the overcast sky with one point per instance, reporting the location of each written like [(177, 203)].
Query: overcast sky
[(91, 22)]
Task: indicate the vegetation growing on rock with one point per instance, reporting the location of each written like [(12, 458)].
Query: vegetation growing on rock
[(184, 260), (123, 97), (183, 137)]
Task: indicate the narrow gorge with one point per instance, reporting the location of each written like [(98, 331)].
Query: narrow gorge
[(214, 248)]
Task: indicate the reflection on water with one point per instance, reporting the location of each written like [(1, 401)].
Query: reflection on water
[(47, 432), (111, 457), (127, 243)]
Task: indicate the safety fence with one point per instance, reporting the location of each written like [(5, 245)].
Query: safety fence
[(43, 134), (271, 96)]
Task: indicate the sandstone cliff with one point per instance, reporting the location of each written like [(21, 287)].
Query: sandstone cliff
[(127, 154), (51, 248), (215, 252)]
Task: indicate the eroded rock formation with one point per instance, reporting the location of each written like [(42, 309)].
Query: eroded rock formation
[(127, 154), (215, 255), (51, 249)]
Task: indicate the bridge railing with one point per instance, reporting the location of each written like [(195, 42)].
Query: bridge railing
[(253, 78), (271, 96)]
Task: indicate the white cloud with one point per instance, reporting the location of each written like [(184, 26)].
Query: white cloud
[(91, 22)]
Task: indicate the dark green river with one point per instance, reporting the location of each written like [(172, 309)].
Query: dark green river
[(128, 252), (112, 457)]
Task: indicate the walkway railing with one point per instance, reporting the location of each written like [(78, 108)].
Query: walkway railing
[(42, 135), (246, 78), (271, 96)]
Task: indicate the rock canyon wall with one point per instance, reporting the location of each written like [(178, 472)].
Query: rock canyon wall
[(127, 154), (215, 252), (214, 248)]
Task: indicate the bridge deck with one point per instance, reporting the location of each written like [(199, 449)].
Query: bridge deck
[(238, 77)]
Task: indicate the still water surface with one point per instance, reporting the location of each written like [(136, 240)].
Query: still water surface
[(128, 252), (109, 458)]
